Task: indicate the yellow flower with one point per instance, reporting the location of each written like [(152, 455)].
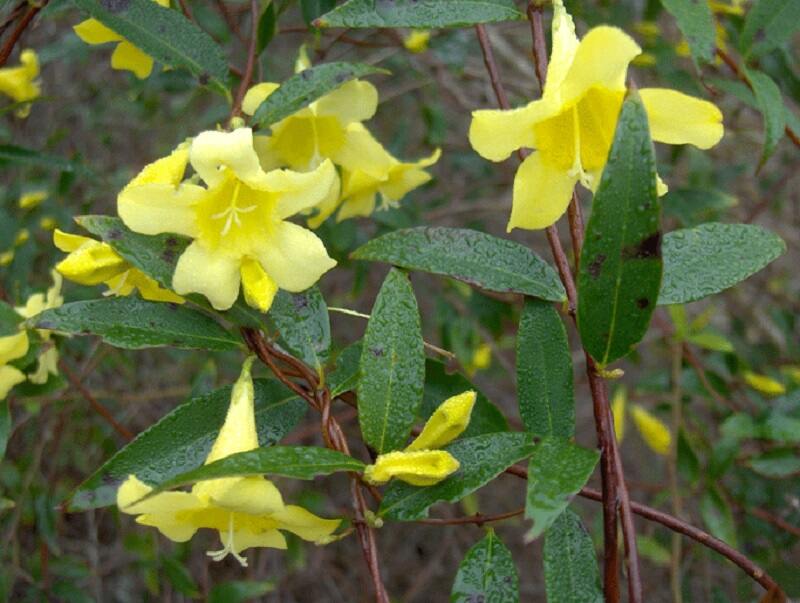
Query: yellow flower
[(36, 304), (246, 511), (572, 125), (417, 40), (47, 223), (12, 347), (6, 257), (19, 82), (238, 220), (31, 199), (126, 56), (91, 262), (306, 138), (22, 237), (654, 432), (618, 405), (766, 385), (421, 463)]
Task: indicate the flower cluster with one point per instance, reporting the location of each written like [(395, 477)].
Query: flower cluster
[(422, 463), (20, 83), (246, 511), (572, 126)]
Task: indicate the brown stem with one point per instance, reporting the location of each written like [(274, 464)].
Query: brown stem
[(672, 465), (737, 71), (477, 519), (87, 395), (247, 77), (8, 47), (187, 12)]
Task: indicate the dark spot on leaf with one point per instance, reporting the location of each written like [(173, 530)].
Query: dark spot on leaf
[(171, 242), (343, 77), (597, 265), (305, 74), (649, 247), (300, 302), (168, 256), (642, 302), (46, 324), (109, 479), (172, 306), (115, 234), (203, 78), (115, 6), (377, 351)]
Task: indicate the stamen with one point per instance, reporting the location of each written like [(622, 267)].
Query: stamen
[(228, 547), (232, 212)]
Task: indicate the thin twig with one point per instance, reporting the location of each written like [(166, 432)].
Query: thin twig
[(672, 465), (8, 47), (247, 77), (478, 519), (87, 395)]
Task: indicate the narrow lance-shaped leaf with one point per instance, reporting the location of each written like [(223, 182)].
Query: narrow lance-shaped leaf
[(181, 440), (14, 154), (303, 323), (709, 258), (487, 573), (769, 24), (419, 13), (558, 469), (467, 255), (303, 88), (164, 34), (392, 366), (697, 25), (544, 372), (132, 323), (770, 103), (482, 458), (297, 462), (570, 565), (620, 267)]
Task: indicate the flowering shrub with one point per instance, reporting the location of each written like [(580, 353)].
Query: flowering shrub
[(239, 205)]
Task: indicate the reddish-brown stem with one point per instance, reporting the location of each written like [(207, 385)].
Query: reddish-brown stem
[(575, 217), (187, 12), (247, 76), (742, 76), (87, 395), (477, 519), (229, 20), (8, 47)]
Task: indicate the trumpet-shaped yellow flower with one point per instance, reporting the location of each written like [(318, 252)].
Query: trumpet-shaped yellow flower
[(320, 131), (653, 430), (238, 220), (31, 199), (92, 262), (20, 82), (246, 511), (126, 56), (421, 463), (764, 384), (12, 347), (36, 304), (572, 126)]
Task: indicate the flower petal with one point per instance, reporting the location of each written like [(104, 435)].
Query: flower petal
[(305, 524), (353, 101), (9, 377), (541, 194), (212, 150), (601, 60), (361, 151), (654, 431), (249, 495), (495, 134), (167, 170), (92, 31), (446, 423), (405, 177), (420, 468), (245, 538), (361, 204), (677, 118), (259, 288), (238, 432), (294, 257), (565, 45), (150, 290), (128, 57), (92, 263), (256, 95), (301, 190), (211, 274), (68, 242), (132, 490), (157, 208)]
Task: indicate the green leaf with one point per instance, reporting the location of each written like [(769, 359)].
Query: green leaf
[(164, 34), (9, 320), (5, 426), (344, 376), (428, 14), (718, 517), (467, 255), (487, 573), (558, 469), (570, 565), (770, 103), (311, 9), (238, 591), (696, 23), (298, 462), (711, 341), (439, 386), (620, 267), (712, 257), (694, 206), (303, 323), (267, 26), (482, 458), (181, 441), (392, 366), (544, 372), (132, 323), (769, 24), (779, 463), (305, 87), (13, 154)]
